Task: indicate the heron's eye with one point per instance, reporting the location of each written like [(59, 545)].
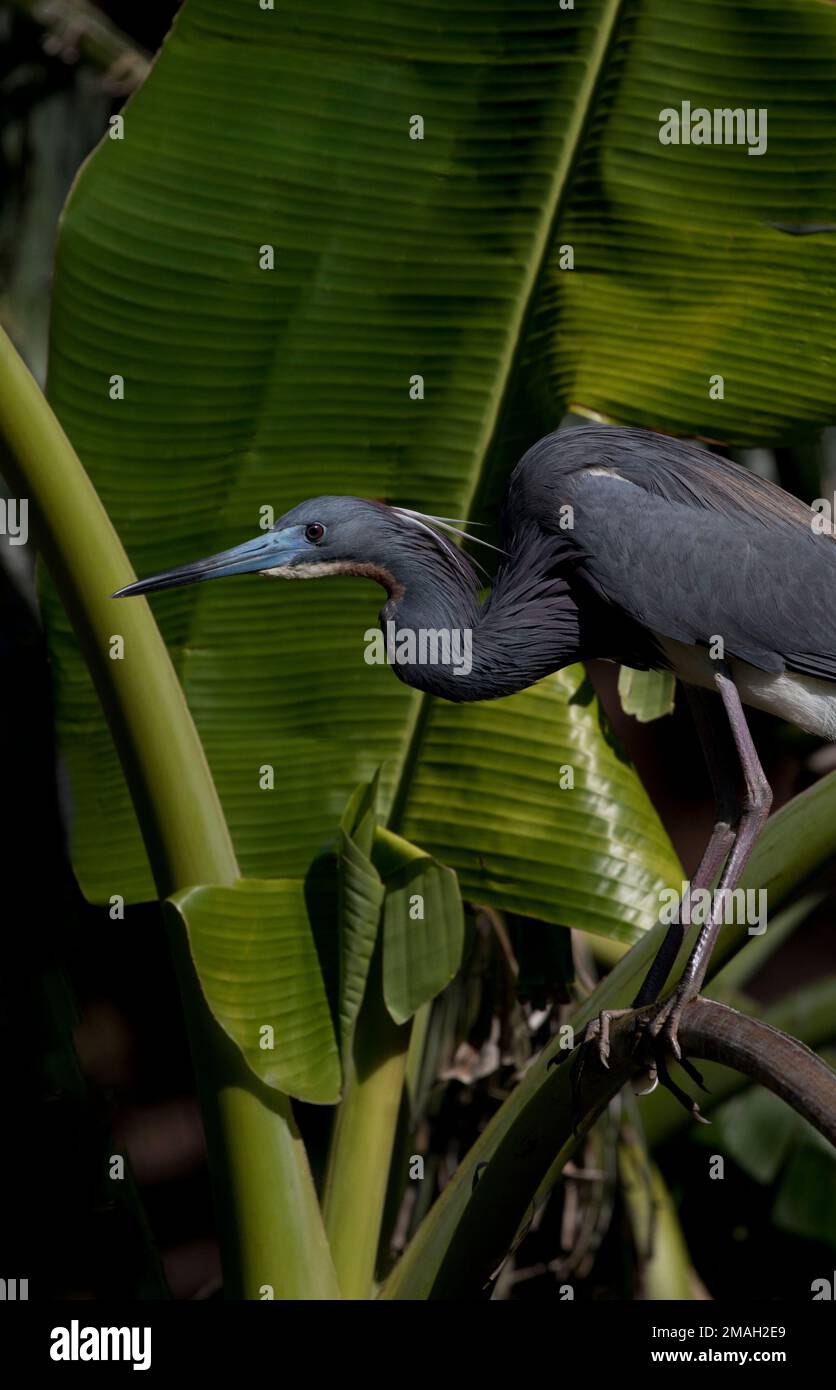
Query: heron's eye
[(314, 532)]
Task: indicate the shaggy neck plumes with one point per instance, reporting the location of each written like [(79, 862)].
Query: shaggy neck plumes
[(439, 638)]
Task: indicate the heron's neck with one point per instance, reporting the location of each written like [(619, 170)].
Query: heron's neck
[(440, 639)]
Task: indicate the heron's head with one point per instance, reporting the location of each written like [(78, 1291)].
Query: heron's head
[(324, 536)]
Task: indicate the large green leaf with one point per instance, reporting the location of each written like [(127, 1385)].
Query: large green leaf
[(774, 1145), (386, 882), (537, 810), (806, 1201), (423, 925), (262, 972), (247, 387), (684, 273), (258, 967), (757, 1130)]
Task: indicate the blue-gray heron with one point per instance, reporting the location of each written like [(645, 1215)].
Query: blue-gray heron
[(620, 544)]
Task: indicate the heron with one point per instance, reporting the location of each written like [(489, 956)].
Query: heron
[(620, 544)]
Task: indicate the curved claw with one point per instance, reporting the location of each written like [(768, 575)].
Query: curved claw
[(676, 1091), (665, 1025), (653, 1078), (695, 1074), (664, 1032), (599, 1028)]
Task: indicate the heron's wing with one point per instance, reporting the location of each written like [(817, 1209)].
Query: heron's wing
[(709, 563), (675, 469)]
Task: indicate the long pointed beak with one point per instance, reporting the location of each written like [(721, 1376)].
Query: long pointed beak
[(273, 550)]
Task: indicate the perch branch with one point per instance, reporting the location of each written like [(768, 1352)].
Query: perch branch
[(717, 1033)]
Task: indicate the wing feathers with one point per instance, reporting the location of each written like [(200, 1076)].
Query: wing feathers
[(688, 545)]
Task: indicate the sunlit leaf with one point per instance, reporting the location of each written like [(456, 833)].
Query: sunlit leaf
[(533, 804), (647, 695), (257, 964), (423, 925)]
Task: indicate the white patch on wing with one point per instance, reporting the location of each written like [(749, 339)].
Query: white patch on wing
[(607, 473), (803, 700)]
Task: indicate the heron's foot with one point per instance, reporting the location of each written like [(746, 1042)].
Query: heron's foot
[(655, 1040), (595, 1037), (661, 1037), (597, 1033), (663, 1026)]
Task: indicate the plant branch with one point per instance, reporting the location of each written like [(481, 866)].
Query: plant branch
[(75, 27), (784, 1065)]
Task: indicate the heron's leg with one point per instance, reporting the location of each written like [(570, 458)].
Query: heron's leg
[(720, 755), (713, 732), (757, 799), (740, 818)]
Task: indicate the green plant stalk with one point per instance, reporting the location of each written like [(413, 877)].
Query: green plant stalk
[(360, 1153), (666, 1265), (269, 1222), (415, 1053)]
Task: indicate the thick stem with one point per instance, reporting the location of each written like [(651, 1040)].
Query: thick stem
[(270, 1228), (784, 1065), (363, 1138), (664, 1262)]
